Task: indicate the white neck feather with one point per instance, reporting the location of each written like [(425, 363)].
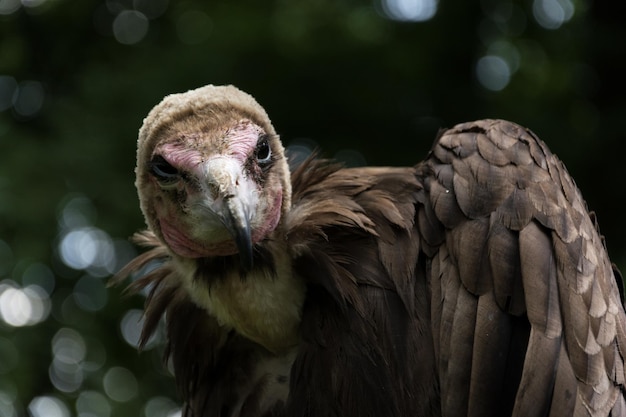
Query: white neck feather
[(263, 307)]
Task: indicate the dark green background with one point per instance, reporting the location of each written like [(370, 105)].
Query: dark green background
[(339, 74)]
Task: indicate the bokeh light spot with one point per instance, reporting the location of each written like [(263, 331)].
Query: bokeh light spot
[(551, 14), (493, 72), (92, 403), (40, 302), (77, 211), (131, 325), (508, 52), (410, 10), (23, 306), (87, 247), (48, 406), (9, 6), (65, 377), (8, 87), (130, 27), (298, 151), (15, 307), (160, 407), (79, 248), (28, 98), (69, 350), (6, 405), (68, 346), (120, 384)]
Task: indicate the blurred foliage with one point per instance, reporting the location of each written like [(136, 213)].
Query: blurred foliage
[(364, 80)]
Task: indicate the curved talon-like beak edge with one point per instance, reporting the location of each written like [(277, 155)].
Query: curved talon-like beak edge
[(238, 224)]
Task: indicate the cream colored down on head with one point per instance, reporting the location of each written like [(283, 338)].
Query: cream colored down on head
[(212, 105)]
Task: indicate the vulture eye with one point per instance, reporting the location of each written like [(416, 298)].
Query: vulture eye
[(164, 172), (263, 150)]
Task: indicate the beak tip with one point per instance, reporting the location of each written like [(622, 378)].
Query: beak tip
[(238, 223), (246, 256), (244, 245)]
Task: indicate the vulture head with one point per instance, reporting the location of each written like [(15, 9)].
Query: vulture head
[(213, 183), (211, 173)]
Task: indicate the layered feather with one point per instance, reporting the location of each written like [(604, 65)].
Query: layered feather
[(535, 254)]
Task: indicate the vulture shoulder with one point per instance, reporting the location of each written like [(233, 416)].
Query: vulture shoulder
[(526, 307), (366, 337), (475, 283)]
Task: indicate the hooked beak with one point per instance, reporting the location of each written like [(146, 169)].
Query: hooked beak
[(233, 200), (237, 222)]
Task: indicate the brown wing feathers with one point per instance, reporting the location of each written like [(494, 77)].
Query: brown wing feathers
[(526, 246)]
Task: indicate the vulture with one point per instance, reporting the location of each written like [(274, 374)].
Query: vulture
[(474, 283)]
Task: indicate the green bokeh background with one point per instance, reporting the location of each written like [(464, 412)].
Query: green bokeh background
[(360, 80)]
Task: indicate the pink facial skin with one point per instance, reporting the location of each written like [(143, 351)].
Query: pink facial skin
[(180, 243), (181, 157), (241, 142), (183, 245), (242, 139), (271, 220)]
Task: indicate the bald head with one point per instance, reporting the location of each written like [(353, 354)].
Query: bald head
[(211, 172)]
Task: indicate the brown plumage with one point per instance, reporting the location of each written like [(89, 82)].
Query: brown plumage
[(475, 283)]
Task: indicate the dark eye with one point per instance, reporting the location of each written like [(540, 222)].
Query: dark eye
[(163, 170), (263, 150)]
